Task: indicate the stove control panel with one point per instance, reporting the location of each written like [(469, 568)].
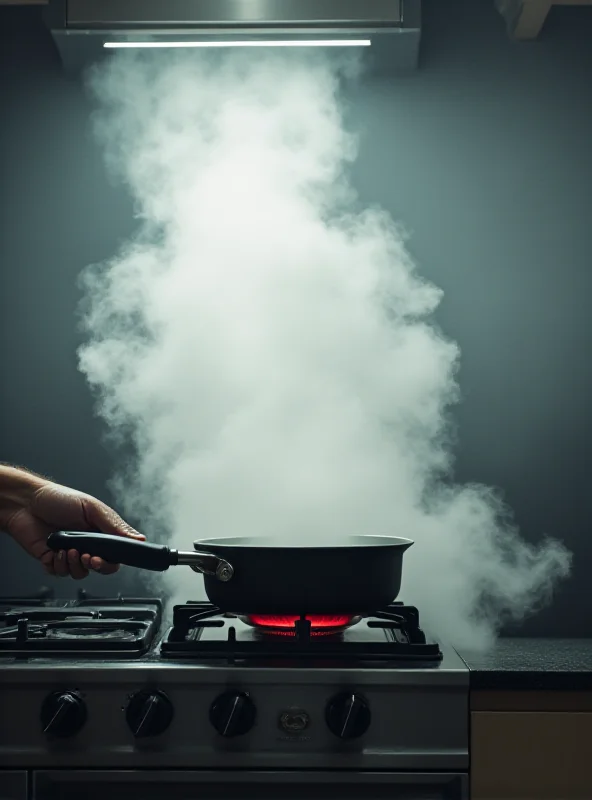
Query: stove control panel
[(222, 717), (348, 715), (233, 714), (63, 714), (149, 713)]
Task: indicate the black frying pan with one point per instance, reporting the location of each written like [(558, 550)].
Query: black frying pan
[(254, 575)]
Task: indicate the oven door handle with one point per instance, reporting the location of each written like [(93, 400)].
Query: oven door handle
[(242, 783)]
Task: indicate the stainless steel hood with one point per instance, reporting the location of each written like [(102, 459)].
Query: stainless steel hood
[(83, 29)]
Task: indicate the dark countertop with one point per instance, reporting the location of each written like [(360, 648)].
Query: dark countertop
[(532, 664)]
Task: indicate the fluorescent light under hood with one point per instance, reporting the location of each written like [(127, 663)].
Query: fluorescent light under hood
[(86, 30), (244, 43)]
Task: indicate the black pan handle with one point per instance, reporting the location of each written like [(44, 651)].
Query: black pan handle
[(116, 549)]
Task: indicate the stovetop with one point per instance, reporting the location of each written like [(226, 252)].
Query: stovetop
[(121, 683), (132, 628)]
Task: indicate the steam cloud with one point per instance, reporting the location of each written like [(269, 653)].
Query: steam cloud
[(267, 345)]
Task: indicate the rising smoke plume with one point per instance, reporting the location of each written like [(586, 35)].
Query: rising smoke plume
[(267, 347)]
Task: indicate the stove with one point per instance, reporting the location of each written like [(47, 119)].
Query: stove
[(98, 693)]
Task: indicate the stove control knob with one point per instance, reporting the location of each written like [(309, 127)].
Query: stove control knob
[(348, 715), (63, 714), (233, 714), (149, 713)]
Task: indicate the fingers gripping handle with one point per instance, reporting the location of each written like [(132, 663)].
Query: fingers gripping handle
[(116, 549)]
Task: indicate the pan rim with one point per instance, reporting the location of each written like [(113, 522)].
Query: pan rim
[(360, 540)]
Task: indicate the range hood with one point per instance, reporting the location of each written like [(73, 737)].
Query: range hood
[(85, 30)]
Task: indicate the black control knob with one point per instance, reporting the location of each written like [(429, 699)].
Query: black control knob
[(348, 715), (63, 714), (233, 714), (149, 713)]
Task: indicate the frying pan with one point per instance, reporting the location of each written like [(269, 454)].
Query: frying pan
[(255, 575)]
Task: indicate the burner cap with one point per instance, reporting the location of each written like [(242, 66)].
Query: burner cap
[(91, 632)]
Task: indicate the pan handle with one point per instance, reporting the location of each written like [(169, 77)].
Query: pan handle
[(115, 549), (207, 563), (144, 555)]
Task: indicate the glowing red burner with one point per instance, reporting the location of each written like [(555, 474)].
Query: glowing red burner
[(285, 624)]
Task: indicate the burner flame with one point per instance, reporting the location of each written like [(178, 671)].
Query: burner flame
[(286, 624)]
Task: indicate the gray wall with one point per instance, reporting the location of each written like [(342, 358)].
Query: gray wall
[(484, 155)]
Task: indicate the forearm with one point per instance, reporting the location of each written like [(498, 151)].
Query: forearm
[(17, 488)]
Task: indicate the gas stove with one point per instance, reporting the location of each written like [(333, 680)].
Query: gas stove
[(101, 688)]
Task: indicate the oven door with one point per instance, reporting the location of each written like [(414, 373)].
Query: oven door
[(246, 785)]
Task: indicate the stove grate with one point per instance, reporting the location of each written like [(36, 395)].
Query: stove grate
[(390, 635), (44, 626)]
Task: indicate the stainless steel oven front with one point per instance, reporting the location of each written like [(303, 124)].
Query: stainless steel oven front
[(416, 746)]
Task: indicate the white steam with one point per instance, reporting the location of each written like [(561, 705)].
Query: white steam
[(267, 345)]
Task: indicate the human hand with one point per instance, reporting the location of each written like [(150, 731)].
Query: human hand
[(38, 507)]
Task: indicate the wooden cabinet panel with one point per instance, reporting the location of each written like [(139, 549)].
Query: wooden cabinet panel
[(539, 755)]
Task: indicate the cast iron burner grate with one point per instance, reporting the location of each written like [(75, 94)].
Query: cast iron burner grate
[(100, 627), (202, 631)]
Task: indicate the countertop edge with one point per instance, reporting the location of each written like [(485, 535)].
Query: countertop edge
[(529, 664)]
